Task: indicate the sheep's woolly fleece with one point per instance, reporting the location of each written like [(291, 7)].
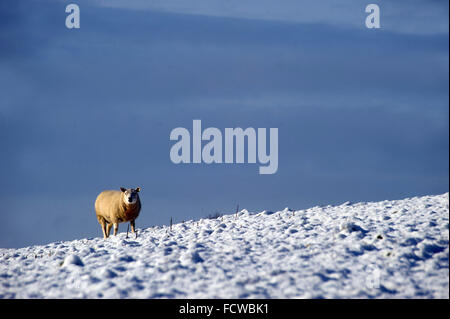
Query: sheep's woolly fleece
[(388, 249)]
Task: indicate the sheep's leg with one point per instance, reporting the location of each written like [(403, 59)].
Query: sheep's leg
[(133, 227), (108, 229), (103, 225), (116, 228)]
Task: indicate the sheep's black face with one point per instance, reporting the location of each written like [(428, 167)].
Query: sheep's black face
[(130, 195)]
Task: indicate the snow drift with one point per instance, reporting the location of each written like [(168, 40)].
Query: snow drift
[(388, 249)]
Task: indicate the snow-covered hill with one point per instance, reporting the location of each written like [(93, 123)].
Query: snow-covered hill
[(389, 249)]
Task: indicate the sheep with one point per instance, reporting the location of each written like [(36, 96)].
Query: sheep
[(113, 207)]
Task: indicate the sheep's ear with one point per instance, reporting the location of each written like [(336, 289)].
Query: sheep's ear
[(123, 189), (138, 189)]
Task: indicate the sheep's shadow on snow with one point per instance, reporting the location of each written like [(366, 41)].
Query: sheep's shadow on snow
[(131, 243)]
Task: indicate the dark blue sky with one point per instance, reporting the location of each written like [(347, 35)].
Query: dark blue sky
[(362, 114)]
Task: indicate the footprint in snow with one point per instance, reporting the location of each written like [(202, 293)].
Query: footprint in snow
[(191, 257), (106, 274), (352, 227)]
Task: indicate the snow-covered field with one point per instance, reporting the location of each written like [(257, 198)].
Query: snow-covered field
[(389, 249)]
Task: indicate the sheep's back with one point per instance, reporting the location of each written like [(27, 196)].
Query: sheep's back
[(107, 203)]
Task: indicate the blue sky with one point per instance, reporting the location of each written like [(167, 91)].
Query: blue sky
[(362, 114)]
